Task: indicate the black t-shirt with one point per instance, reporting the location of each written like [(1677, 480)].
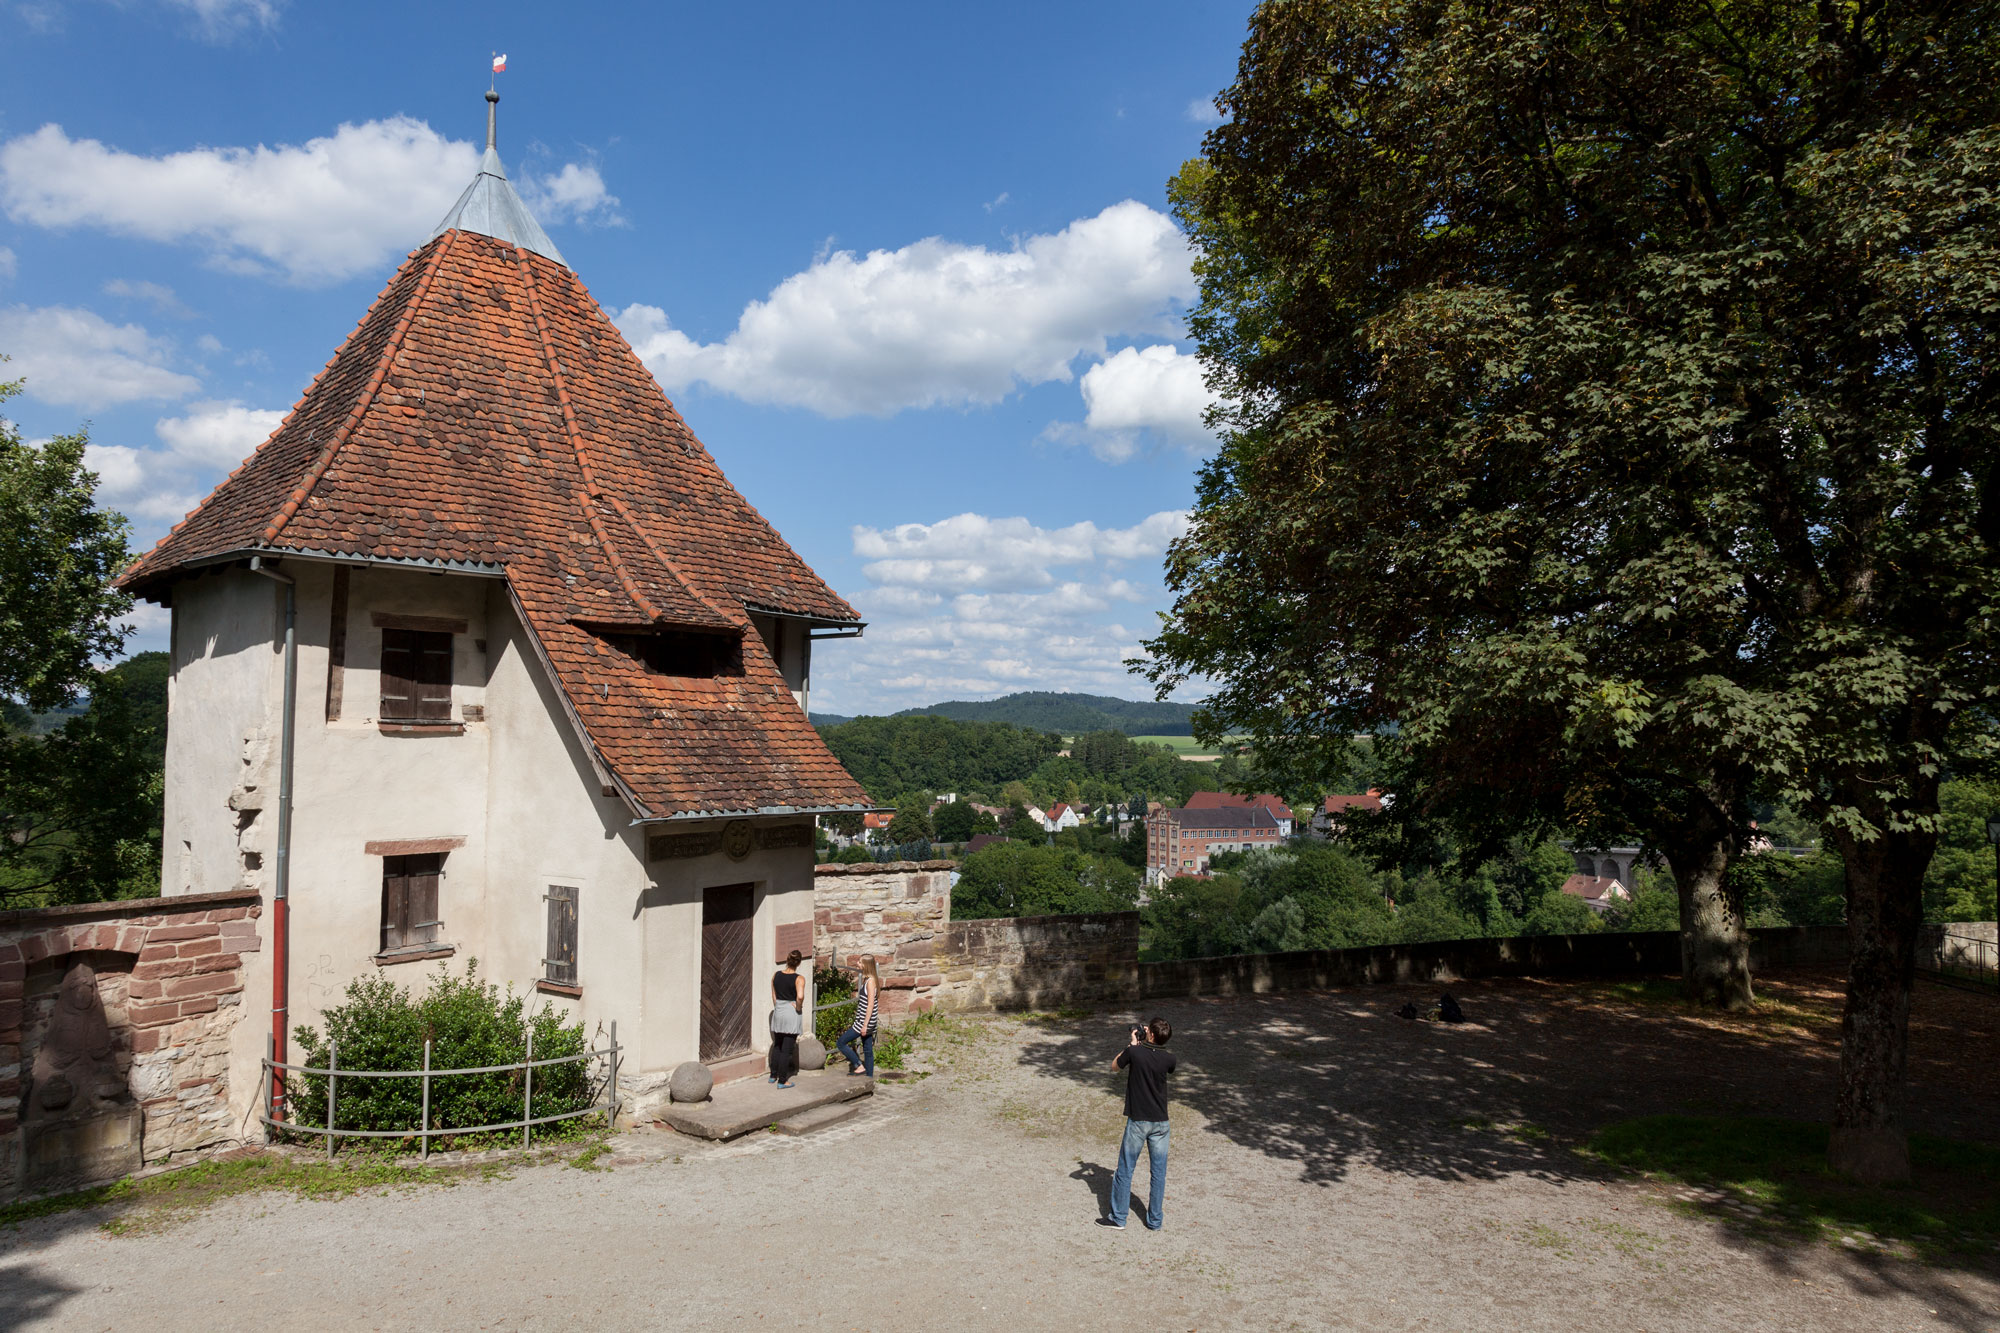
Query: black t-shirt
[(786, 985), (1146, 1083)]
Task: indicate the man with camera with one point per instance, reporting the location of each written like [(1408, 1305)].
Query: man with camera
[(1148, 1063)]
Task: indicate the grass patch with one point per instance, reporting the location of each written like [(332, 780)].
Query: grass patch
[(139, 1206), (894, 1046), (1771, 1176), (587, 1159)]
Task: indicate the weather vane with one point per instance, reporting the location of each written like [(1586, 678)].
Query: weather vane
[(499, 67)]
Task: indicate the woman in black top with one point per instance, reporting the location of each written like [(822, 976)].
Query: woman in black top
[(788, 1003)]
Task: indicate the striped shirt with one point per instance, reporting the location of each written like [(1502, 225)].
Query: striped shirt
[(864, 1007)]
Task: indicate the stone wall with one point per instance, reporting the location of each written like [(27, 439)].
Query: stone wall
[(1608, 954), (135, 1067), (901, 912)]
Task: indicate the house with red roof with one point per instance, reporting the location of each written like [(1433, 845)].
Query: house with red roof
[(481, 655), (1180, 842), (1223, 800), (1600, 893), (1328, 820), (1062, 815)]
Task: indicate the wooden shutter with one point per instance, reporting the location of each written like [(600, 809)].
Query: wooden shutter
[(433, 661), (559, 964), (395, 902), (416, 675), (399, 674), (410, 900)]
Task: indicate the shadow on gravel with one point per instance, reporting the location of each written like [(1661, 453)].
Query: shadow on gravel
[(1329, 1079), (28, 1297)]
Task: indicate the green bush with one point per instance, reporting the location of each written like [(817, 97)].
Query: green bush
[(834, 988), (471, 1024)]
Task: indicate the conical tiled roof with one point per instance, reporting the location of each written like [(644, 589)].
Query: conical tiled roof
[(486, 412), (490, 207)]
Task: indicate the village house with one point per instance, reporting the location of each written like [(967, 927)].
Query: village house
[(1600, 893), (1180, 842), (1223, 800), (1328, 820), (480, 656), (1061, 816)]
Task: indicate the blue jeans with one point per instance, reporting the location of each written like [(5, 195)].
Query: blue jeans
[(844, 1043), (1152, 1135)]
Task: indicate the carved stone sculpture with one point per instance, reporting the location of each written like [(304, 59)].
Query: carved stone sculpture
[(79, 1123), (73, 1071)]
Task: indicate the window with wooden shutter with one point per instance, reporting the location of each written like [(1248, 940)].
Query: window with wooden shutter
[(410, 901), (416, 676), (559, 964)]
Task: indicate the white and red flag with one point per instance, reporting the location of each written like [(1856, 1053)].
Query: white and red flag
[(499, 64)]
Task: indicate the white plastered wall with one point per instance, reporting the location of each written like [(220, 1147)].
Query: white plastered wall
[(517, 785)]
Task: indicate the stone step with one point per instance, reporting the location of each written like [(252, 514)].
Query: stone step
[(754, 1104), (819, 1118)]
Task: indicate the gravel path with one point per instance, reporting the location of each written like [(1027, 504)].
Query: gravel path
[(1332, 1167)]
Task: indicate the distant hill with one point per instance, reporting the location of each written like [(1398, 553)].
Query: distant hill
[(1070, 714), (828, 719)]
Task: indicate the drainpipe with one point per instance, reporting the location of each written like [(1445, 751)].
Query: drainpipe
[(281, 888)]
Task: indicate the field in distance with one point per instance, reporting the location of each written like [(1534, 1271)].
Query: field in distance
[(1187, 747)]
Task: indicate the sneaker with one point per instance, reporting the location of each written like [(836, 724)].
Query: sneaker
[(1107, 1222)]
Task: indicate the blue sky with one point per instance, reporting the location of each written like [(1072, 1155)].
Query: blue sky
[(905, 269)]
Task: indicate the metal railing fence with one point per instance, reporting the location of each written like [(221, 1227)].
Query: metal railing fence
[(424, 1130), (1965, 958)]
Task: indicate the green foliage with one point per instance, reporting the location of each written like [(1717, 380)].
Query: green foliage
[(847, 823), (912, 821), (853, 854), (891, 756), (834, 989), (1650, 909), (1560, 914), (1021, 879), (58, 555), (1960, 884), (956, 821), (85, 801), (1024, 827), (1782, 890), (1187, 917), (1666, 338), (470, 1024), (1775, 1175)]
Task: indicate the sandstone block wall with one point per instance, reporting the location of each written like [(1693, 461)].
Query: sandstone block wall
[(170, 978), (900, 912)]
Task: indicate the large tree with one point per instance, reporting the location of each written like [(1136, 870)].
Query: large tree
[(1610, 406)]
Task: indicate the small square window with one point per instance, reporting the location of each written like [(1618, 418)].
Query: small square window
[(416, 676)]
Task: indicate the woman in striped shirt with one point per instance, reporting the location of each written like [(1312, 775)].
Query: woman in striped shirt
[(867, 1010)]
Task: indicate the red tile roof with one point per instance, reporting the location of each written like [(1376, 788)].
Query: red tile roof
[(1333, 805), (1593, 888), (1224, 800), (550, 452)]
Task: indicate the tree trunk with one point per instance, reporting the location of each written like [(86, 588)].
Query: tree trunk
[(1715, 940), (1699, 846), (1885, 909)]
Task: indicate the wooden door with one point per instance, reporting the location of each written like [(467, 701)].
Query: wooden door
[(725, 970)]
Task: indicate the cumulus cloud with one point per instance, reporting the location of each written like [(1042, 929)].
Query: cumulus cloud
[(313, 213), (217, 434), (76, 358), (574, 194), (158, 486), (1203, 111), (974, 605), (1136, 394), (974, 551), (935, 323)]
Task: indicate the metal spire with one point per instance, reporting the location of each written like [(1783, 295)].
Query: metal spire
[(489, 205)]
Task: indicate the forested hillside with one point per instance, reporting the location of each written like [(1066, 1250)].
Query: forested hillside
[(1070, 714)]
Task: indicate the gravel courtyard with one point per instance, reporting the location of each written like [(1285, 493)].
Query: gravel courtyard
[(1333, 1167)]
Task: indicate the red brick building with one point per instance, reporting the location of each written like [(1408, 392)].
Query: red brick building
[(1180, 842)]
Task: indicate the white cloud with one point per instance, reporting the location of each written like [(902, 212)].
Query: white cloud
[(313, 213), (1140, 392), (973, 551), (217, 435), (936, 322), (996, 202), (1203, 111), (76, 358), (159, 486), (974, 606), (7, 263), (157, 295), (574, 194), (223, 18)]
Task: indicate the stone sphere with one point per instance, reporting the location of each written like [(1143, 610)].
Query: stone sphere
[(812, 1053), (691, 1082)]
